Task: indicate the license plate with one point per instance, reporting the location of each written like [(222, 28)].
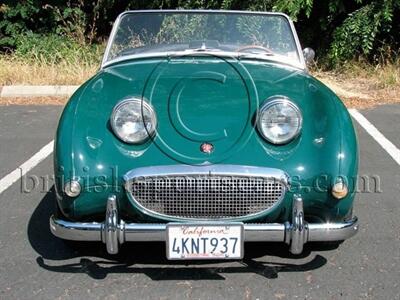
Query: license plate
[(204, 241)]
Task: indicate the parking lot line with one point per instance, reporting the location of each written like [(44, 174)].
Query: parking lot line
[(15, 175), (387, 145)]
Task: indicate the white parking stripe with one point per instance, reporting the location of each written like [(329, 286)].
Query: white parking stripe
[(391, 149), (15, 175)]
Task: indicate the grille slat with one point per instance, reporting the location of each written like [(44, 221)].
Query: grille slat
[(206, 196)]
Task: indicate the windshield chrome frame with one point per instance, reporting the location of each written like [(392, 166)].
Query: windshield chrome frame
[(276, 59)]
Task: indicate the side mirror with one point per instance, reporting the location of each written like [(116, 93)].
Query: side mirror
[(309, 55)]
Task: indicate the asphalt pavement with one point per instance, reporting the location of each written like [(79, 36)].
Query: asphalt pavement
[(35, 264)]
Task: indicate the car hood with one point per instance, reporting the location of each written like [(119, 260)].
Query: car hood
[(203, 99)]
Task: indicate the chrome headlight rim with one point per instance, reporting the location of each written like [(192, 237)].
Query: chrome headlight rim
[(143, 104), (268, 103)]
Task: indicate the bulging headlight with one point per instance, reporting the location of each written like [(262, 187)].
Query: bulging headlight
[(279, 120), (133, 120)]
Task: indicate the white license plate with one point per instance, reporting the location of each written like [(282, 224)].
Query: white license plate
[(204, 241)]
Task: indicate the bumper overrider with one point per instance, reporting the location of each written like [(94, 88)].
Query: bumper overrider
[(115, 231)]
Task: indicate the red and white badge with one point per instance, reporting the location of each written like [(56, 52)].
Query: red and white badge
[(206, 148)]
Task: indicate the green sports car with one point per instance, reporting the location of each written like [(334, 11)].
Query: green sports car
[(204, 129)]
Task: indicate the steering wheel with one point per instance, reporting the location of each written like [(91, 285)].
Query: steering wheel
[(257, 47)]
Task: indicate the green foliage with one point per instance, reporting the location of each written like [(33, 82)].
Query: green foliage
[(294, 7), (361, 31), (16, 19), (52, 49), (339, 30), (75, 19), (349, 29)]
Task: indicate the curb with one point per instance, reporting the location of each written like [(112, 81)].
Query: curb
[(37, 90)]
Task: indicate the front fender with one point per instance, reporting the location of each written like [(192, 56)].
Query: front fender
[(87, 149)]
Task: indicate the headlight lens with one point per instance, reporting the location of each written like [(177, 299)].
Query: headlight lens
[(133, 120), (279, 120)]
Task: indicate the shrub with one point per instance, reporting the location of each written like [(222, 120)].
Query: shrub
[(362, 32), (339, 30), (52, 49)]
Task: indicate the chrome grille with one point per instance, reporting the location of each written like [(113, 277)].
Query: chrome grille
[(206, 196)]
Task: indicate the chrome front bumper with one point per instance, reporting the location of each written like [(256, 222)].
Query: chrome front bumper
[(114, 231)]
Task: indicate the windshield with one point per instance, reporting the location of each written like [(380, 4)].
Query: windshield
[(167, 32)]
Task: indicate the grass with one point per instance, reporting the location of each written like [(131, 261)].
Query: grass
[(381, 75), (359, 84), (363, 85), (14, 70), (49, 60)]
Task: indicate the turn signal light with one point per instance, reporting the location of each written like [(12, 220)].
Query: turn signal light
[(72, 188), (339, 190)]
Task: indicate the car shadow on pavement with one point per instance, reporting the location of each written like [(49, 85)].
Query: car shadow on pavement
[(265, 259)]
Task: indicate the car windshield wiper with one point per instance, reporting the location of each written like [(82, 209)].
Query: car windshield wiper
[(204, 45), (202, 48), (258, 53), (255, 55)]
